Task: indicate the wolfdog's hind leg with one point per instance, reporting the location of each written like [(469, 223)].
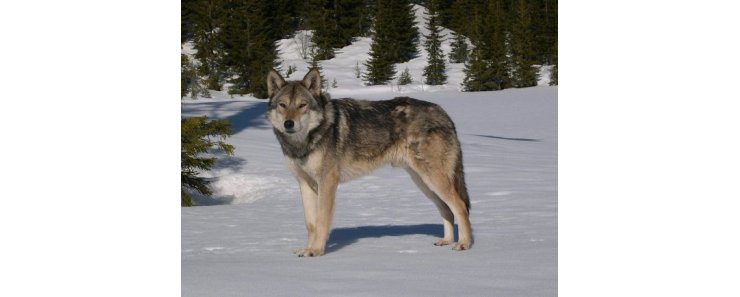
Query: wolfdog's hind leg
[(444, 210), (441, 185)]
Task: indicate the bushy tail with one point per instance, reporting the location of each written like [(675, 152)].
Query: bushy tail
[(459, 182)]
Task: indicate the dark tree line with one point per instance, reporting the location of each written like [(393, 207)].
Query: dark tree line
[(235, 39), (336, 23), (509, 37)]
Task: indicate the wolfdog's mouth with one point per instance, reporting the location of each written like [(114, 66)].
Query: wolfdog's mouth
[(290, 131)]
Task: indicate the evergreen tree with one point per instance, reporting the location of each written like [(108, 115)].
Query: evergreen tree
[(186, 20), (350, 20), (394, 40), (402, 27), (459, 48), (380, 67), (186, 75), (314, 63), (196, 136), (291, 69), (434, 72), (395, 29), (321, 20), (189, 81), (250, 52), (487, 66), (477, 70), (335, 23), (544, 29), (405, 77), (523, 71), (496, 29), (357, 69), (204, 18), (554, 71), (282, 17), (445, 10), (459, 14)]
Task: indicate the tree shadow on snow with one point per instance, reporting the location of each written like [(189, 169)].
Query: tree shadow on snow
[(342, 237), (223, 162), (251, 116), (203, 200)]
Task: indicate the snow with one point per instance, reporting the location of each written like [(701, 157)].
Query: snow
[(384, 227)]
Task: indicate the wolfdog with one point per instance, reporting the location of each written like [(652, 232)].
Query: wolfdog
[(326, 142)]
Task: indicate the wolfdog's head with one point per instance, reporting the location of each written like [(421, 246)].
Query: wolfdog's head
[(296, 107)]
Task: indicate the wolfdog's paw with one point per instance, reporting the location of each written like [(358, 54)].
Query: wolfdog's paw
[(308, 252), (461, 246), (442, 242)]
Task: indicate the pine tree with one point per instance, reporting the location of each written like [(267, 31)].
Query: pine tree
[(357, 69), (554, 71), (196, 136), (380, 68), (250, 52), (480, 69), (459, 14), (459, 48), (477, 70), (335, 23), (523, 73), (190, 83), (322, 21), (401, 26), (186, 20), (434, 72), (496, 31), (349, 20), (314, 63), (282, 17), (544, 14), (291, 70), (405, 77), (205, 20)]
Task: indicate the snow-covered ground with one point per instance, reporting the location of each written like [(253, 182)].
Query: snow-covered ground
[(383, 229)]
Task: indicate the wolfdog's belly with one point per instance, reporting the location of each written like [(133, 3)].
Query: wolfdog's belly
[(351, 167)]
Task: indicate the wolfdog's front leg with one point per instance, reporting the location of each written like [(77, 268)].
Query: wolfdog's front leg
[(309, 197), (324, 212)]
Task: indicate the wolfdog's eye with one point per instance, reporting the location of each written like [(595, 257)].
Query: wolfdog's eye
[(302, 105), (283, 105)]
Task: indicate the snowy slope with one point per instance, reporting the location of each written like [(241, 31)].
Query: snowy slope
[(382, 233)]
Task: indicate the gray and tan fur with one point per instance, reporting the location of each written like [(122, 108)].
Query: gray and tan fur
[(326, 142)]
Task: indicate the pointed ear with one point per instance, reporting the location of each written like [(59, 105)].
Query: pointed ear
[(274, 82), (312, 82)]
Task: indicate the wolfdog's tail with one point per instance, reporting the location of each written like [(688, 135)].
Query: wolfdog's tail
[(459, 181)]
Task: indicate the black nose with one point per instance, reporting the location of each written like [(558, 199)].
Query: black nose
[(289, 124)]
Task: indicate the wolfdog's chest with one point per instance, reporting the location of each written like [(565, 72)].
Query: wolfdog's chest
[(312, 164)]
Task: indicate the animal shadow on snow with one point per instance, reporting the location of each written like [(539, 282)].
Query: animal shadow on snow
[(342, 237), (506, 138)]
